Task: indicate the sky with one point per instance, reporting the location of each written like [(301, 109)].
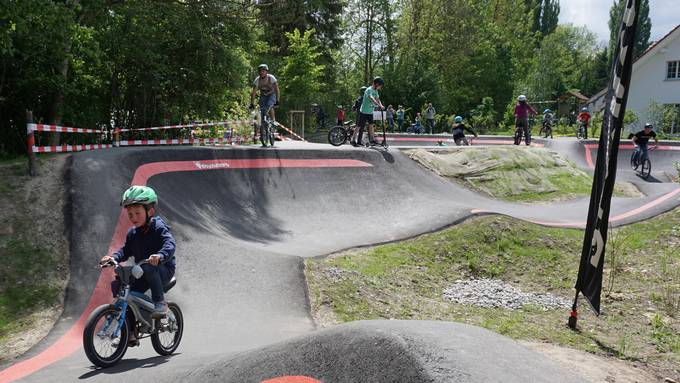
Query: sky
[(594, 14)]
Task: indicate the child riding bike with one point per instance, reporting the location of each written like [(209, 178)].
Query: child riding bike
[(458, 131), (547, 123), (583, 123), (522, 111), (149, 239)]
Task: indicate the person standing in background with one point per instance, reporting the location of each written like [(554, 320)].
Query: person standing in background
[(429, 116), (390, 117), (400, 117)]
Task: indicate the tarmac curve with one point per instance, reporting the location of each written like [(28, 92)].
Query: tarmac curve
[(245, 218)]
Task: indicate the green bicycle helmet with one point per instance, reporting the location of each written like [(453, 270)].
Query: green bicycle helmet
[(139, 195)]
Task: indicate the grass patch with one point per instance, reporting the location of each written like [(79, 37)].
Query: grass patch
[(515, 174), (34, 261), (640, 319)]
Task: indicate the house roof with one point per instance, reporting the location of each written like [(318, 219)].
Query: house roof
[(655, 46)]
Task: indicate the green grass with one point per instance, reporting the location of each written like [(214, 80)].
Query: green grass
[(31, 270), (406, 280)]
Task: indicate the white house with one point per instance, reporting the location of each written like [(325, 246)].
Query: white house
[(655, 78)]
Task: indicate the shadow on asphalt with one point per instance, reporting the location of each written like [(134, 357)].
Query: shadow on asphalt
[(236, 203), (127, 365)]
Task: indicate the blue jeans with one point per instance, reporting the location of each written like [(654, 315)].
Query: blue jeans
[(641, 150), (266, 102), (154, 278)]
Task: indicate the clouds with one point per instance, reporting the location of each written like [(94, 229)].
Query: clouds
[(595, 16)]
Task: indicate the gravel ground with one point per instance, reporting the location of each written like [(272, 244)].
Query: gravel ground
[(493, 293)]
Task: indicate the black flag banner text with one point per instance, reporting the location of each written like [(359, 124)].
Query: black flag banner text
[(589, 281)]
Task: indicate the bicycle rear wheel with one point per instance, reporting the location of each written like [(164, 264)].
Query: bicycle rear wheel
[(167, 339)]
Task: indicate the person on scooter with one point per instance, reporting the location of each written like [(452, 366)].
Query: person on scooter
[(148, 240), (458, 131), (370, 102), (522, 111)]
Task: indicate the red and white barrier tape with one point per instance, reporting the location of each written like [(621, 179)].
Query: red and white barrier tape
[(68, 148), (290, 131), (181, 141), (57, 128), (230, 122)]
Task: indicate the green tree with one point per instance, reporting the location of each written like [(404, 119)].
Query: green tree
[(642, 34), (302, 77), (564, 61), (545, 15), (484, 116)]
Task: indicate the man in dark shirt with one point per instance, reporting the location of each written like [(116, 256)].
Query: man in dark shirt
[(641, 138)]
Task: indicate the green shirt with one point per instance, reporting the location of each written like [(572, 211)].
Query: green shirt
[(367, 106)]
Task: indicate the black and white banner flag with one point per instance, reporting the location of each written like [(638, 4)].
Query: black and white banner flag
[(589, 281)]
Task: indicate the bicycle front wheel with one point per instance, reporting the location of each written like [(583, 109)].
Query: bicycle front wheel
[(646, 168), (518, 136), (272, 129), (634, 161), (337, 136), (264, 133), (101, 347)]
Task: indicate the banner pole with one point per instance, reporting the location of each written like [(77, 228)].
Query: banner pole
[(573, 317)]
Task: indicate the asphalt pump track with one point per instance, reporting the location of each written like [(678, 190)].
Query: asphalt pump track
[(244, 220)]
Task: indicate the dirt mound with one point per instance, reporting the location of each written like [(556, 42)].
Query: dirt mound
[(389, 351), (512, 173)]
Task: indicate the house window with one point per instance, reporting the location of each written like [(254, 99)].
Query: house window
[(672, 73)]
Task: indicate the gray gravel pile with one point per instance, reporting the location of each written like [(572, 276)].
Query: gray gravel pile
[(493, 293)]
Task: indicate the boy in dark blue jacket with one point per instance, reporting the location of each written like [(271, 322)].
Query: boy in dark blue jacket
[(150, 239)]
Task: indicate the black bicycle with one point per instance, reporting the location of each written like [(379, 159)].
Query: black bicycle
[(340, 134), (581, 132), (267, 129), (547, 129), (519, 133), (642, 166)]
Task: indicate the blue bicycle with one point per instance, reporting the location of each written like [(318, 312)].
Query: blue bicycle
[(108, 331)]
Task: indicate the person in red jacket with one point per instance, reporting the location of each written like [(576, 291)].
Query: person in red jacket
[(584, 118), (340, 114), (522, 110)]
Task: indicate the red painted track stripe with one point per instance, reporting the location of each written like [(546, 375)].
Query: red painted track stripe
[(291, 379), (616, 218), (71, 341), (589, 147)]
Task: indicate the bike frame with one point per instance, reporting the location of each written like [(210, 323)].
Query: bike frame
[(125, 300)]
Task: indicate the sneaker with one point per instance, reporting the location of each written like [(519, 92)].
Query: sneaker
[(373, 143), (160, 309)]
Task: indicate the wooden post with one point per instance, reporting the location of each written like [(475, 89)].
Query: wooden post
[(32, 166)]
